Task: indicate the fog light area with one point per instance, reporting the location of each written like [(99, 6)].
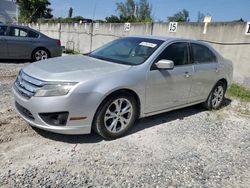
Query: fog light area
[(56, 119)]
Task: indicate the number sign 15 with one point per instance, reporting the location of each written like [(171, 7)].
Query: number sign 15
[(172, 28), (247, 28)]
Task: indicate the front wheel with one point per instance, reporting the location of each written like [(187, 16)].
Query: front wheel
[(115, 116), (216, 97)]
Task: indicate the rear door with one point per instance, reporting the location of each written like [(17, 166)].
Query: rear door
[(3, 43), (19, 44), (206, 71)]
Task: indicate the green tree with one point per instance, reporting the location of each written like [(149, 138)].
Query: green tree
[(32, 10), (113, 19), (131, 11), (70, 13), (200, 17), (126, 9), (181, 16), (65, 20), (144, 11), (130, 19)]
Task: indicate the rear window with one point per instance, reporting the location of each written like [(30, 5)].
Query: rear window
[(202, 54), (18, 32), (33, 34), (3, 30)]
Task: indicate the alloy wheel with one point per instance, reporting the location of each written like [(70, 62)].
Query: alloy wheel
[(217, 96), (41, 55), (118, 115)]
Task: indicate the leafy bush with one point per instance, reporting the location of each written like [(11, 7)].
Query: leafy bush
[(239, 91)]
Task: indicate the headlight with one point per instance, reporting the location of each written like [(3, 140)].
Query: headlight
[(54, 90)]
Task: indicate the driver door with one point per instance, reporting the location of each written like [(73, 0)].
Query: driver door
[(170, 88)]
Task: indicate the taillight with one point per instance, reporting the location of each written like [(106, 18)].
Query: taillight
[(58, 42)]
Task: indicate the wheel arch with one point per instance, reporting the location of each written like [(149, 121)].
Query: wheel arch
[(40, 47), (117, 92), (224, 81), (207, 104)]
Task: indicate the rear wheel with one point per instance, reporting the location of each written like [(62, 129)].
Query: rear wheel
[(216, 97), (115, 116), (40, 54)]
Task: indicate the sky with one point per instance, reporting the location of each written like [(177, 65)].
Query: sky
[(220, 10)]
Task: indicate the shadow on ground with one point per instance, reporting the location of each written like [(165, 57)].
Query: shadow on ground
[(72, 139), (166, 117), (16, 61), (140, 125)]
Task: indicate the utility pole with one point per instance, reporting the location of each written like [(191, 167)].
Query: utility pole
[(135, 11), (92, 28), (17, 13)]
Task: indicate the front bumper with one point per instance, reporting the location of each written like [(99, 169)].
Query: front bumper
[(72, 103)]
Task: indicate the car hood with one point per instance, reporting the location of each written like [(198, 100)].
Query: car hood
[(73, 68)]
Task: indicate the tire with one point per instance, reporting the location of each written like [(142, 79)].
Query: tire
[(216, 97), (110, 122), (40, 54)]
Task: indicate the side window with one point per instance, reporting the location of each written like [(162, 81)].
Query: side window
[(202, 54), (177, 52), (33, 34), (3, 30), (18, 32)]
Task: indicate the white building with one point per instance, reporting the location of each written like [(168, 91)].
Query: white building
[(8, 11)]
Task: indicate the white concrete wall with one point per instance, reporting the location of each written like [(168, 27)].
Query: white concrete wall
[(103, 33), (84, 38)]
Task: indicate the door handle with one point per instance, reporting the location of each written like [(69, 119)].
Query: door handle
[(187, 75), (217, 70)]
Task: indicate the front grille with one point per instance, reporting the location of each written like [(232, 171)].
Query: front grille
[(27, 85), (24, 111)]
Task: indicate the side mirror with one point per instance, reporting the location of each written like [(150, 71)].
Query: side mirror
[(165, 64)]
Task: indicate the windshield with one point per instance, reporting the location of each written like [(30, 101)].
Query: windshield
[(129, 50)]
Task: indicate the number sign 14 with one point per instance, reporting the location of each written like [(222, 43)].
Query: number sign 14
[(126, 26)]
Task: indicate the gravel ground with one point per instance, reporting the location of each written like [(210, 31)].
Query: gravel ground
[(184, 148)]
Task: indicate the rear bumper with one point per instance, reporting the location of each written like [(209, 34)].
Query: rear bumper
[(55, 52), (37, 105)]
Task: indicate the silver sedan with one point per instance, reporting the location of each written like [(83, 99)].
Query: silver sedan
[(129, 78), (20, 42)]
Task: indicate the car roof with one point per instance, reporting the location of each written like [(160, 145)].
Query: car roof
[(169, 39), (21, 26), (24, 27), (163, 38)]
